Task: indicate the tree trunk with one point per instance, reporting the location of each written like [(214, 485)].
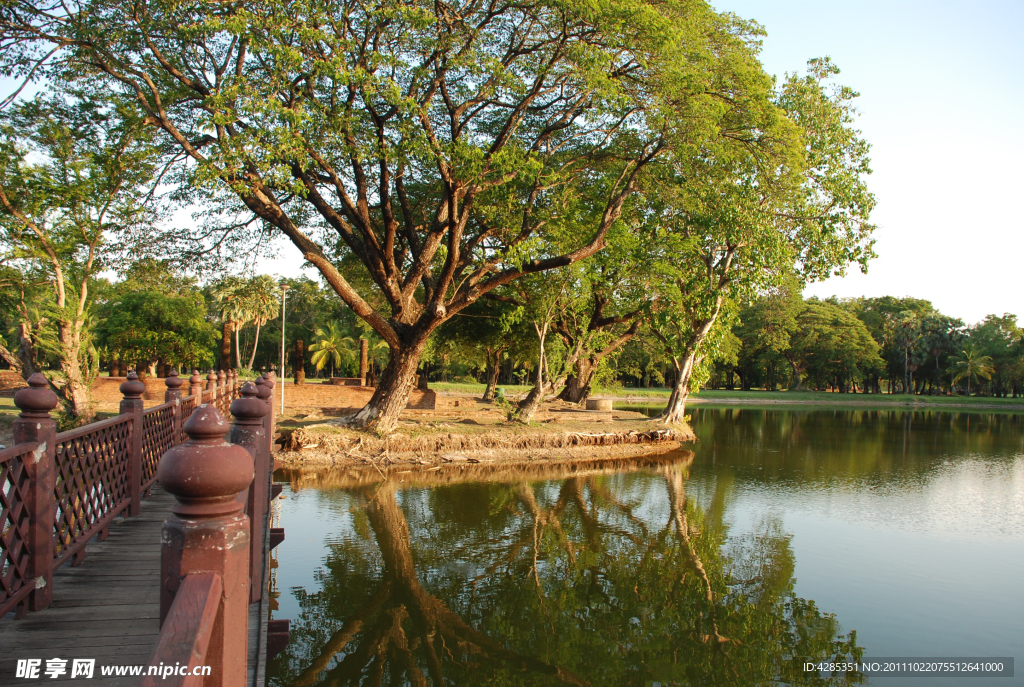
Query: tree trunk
[(252, 357), (76, 388), (238, 351), (10, 359), (577, 386), (225, 346), (392, 393), (797, 383), (528, 406), (676, 408), (299, 363), (364, 353), (26, 351), (493, 370)]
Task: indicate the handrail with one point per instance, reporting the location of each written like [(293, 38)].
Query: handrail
[(92, 427), (17, 451), (157, 409), (185, 637)]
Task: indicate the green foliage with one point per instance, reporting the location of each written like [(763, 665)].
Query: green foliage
[(830, 344), (732, 222), (76, 187), (144, 327), (332, 347), (969, 364)]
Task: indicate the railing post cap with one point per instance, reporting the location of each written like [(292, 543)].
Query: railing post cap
[(195, 378), (132, 388), (206, 473), (212, 377), (263, 390), (173, 381), (222, 375), (248, 405), (268, 379), (37, 400)]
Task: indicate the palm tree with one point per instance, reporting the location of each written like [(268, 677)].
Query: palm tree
[(331, 347), (261, 303), (969, 364), (230, 297)]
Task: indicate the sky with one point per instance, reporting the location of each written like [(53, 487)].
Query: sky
[(942, 103)]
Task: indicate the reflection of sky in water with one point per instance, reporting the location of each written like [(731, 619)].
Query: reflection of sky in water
[(921, 558), (923, 561)]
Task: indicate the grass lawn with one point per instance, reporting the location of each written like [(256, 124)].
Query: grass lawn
[(511, 389), (826, 398), (721, 396)]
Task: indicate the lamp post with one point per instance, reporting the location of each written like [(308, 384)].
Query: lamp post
[(284, 298)]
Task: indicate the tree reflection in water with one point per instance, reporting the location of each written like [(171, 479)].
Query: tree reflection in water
[(595, 576)]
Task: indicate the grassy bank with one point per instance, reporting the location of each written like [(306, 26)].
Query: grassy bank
[(866, 400), (723, 397)]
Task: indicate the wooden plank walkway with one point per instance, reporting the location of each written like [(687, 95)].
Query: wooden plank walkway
[(107, 609)]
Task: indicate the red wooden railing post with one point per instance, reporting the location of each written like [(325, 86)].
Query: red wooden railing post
[(222, 382), (34, 424), (211, 384), (173, 395), (132, 390), (248, 431), (195, 386), (208, 532)]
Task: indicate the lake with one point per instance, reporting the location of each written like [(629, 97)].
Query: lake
[(781, 536)]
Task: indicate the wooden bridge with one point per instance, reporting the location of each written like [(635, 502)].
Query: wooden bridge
[(134, 550)]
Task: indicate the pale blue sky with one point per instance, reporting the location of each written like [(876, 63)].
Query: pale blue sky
[(942, 103)]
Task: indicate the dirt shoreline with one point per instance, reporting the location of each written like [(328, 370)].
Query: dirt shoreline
[(478, 436)]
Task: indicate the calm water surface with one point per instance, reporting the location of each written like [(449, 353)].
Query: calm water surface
[(784, 536)]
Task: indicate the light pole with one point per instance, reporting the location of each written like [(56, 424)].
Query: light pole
[(284, 298)]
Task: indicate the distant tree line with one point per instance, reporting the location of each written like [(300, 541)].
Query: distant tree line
[(869, 345)]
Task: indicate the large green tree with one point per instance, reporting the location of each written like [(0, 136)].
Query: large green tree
[(832, 347), (731, 222), (73, 176), (151, 328), (427, 144)]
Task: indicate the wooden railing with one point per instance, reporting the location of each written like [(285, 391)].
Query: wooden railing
[(78, 481), (92, 485), (213, 562)]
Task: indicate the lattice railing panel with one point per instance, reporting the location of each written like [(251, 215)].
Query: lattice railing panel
[(157, 438), (14, 526), (223, 402), (92, 480)]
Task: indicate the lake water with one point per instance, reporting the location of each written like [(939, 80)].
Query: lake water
[(782, 536)]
